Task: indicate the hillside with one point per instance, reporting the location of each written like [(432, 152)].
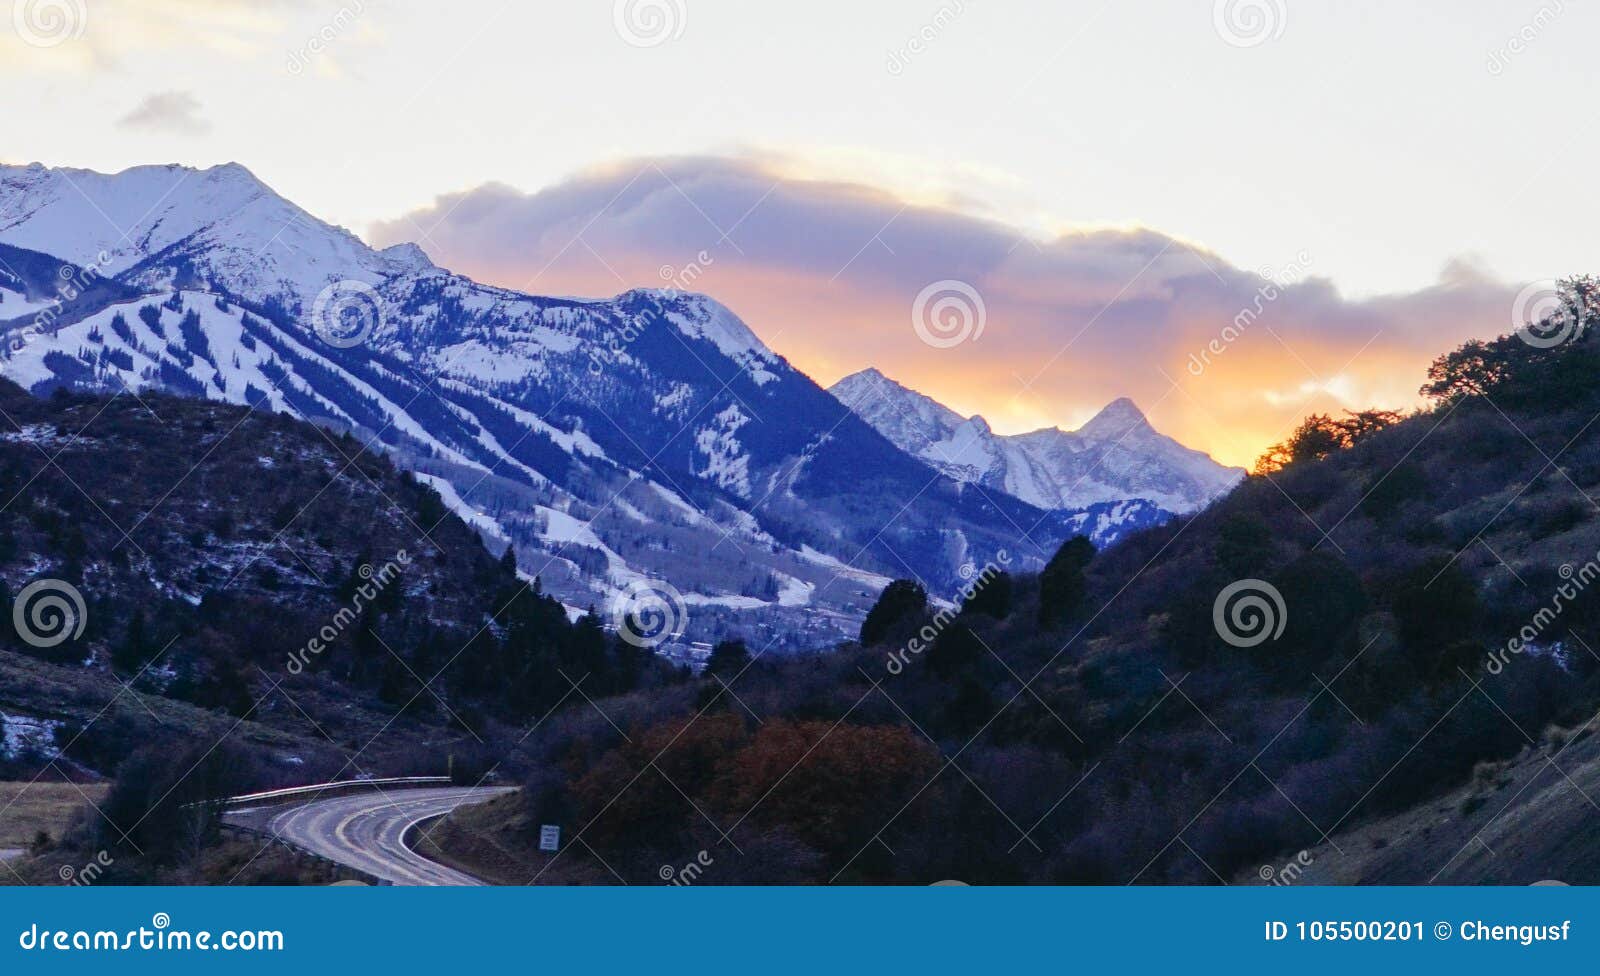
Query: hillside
[(1518, 821), (1297, 662), (167, 563)]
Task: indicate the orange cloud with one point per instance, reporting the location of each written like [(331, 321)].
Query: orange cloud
[(829, 275)]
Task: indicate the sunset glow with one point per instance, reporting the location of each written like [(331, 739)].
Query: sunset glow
[(1104, 266)]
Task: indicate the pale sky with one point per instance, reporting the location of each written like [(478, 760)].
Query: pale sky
[(1385, 141)]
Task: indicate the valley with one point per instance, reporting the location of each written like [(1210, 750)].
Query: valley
[(472, 515)]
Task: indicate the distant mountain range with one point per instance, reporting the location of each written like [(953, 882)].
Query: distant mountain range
[(1115, 456), (621, 443)]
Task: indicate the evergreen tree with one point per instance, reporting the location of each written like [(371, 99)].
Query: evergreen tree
[(131, 655), (586, 653), (992, 596), (728, 659), (1061, 585), (225, 687), (628, 659), (901, 600)]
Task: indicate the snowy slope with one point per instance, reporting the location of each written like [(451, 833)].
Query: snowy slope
[(222, 220), (649, 436), (1116, 456)]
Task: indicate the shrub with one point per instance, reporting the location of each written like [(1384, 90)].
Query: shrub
[(166, 802)]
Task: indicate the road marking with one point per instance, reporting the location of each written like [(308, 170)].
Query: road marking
[(368, 833)]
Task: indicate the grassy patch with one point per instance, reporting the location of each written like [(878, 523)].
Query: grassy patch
[(32, 807), (493, 841)]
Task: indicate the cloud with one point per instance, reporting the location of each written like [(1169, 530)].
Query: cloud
[(176, 112), (98, 36), (829, 273)]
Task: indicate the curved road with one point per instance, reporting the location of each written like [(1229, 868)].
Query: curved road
[(366, 831)]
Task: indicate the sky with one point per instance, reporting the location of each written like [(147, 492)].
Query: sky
[(1021, 209)]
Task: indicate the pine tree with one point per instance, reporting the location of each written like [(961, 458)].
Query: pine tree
[(1061, 585), (900, 600), (992, 596), (728, 659), (130, 655)]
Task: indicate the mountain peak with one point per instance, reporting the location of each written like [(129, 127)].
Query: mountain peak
[(407, 258), (227, 171), (222, 224), (1050, 468), (979, 425), (872, 384), (861, 381), (703, 317), (1115, 419), (911, 420)]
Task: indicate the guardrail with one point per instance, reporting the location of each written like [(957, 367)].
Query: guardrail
[(298, 851), (338, 787)]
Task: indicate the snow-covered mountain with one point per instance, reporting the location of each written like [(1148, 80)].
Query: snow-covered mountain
[(616, 443), (154, 225), (1116, 456)]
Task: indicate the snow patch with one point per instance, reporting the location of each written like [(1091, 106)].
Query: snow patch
[(21, 734)]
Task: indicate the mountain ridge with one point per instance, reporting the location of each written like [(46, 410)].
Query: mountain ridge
[(1116, 455), (645, 440)]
